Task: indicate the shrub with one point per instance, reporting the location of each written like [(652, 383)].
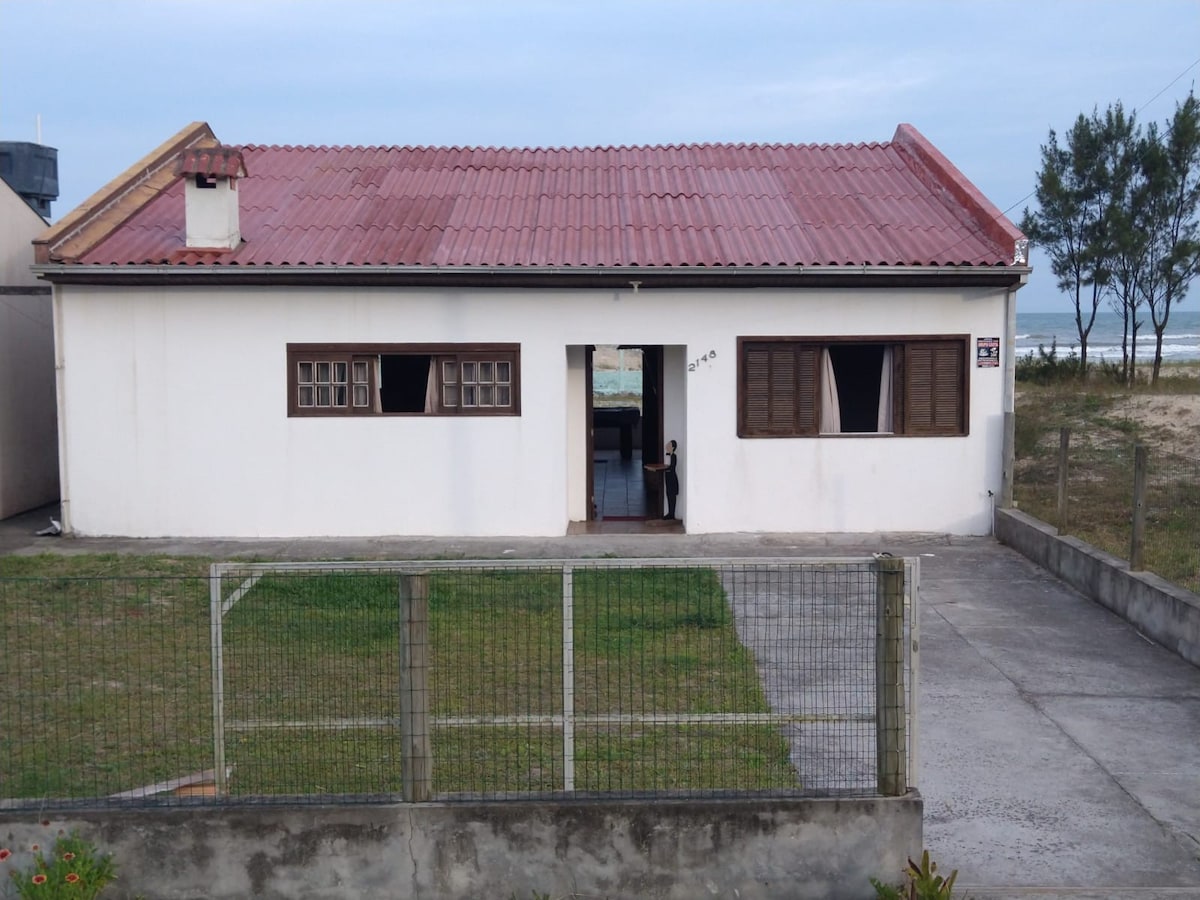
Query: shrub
[(922, 882), (1047, 367), (72, 869)]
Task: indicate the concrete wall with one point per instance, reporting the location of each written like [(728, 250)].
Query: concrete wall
[(682, 850), (1161, 610), (28, 425), (175, 419)]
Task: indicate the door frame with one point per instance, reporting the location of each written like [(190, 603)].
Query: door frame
[(592, 512), (652, 425)]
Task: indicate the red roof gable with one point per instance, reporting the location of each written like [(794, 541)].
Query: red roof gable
[(898, 203)]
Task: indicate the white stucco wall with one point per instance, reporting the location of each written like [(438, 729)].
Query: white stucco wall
[(176, 414), (28, 430)]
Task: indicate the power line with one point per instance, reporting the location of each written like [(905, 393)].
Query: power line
[(12, 307), (1165, 134), (1169, 83)]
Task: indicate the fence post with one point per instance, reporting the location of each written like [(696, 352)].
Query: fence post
[(890, 738), (568, 677), (1010, 461), (1137, 544), (217, 651), (1064, 447), (415, 756)]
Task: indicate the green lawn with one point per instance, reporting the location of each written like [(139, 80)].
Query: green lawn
[(105, 681)]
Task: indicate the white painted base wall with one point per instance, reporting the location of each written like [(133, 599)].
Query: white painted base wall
[(175, 419)]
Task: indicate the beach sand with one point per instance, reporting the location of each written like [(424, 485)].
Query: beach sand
[(1172, 420)]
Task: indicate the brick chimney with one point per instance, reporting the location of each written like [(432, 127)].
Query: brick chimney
[(211, 197)]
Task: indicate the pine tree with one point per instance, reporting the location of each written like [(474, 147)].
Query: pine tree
[(1172, 167)]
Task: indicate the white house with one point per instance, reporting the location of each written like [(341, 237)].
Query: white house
[(28, 435), (289, 341)]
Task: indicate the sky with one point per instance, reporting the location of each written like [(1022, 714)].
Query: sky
[(984, 81)]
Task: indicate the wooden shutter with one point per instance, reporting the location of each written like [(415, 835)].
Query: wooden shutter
[(808, 410), (935, 388), (779, 389)]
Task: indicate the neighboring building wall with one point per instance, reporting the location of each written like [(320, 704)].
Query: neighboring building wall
[(28, 428), (176, 414)]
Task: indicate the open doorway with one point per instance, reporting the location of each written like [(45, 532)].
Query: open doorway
[(625, 409)]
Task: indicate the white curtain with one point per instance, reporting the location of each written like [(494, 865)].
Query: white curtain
[(431, 388), (831, 414), (885, 392), (378, 399)]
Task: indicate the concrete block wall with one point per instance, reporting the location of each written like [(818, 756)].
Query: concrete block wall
[(753, 849), (1164, 612)]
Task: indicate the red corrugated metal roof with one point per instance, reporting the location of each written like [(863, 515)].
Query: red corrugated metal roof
[(893, 203)]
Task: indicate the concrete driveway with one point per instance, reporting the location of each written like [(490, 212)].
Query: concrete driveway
[(1059, 749)]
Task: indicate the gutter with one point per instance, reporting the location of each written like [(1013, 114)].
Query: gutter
[(649, 277), (60, 387)]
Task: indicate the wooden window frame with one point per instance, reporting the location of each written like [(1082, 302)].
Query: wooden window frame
[(349, 354), (909, 351)]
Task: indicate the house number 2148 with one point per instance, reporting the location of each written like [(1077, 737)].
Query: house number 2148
[(695, 363)]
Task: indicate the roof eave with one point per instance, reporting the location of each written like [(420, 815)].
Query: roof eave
[(648, 277)]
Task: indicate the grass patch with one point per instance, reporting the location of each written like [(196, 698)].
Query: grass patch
[(102, 565), (104, 682), (108, 687), (1100, 472), (645, 758)]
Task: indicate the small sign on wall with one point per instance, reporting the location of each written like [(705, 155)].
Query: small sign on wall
[(987, 352)]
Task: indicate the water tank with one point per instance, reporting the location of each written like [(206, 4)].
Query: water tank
[(32, 171)]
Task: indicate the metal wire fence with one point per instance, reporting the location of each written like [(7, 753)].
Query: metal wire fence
[(1172, 535), (451, 680), (1091, 490)]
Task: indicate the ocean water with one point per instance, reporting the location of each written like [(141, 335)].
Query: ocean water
[(1181, 340), (1181, 343), (608, 381)]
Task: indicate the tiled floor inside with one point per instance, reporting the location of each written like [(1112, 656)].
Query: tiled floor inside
[(620, 495)]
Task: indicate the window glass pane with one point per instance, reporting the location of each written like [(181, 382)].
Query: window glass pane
[(362, 379)]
